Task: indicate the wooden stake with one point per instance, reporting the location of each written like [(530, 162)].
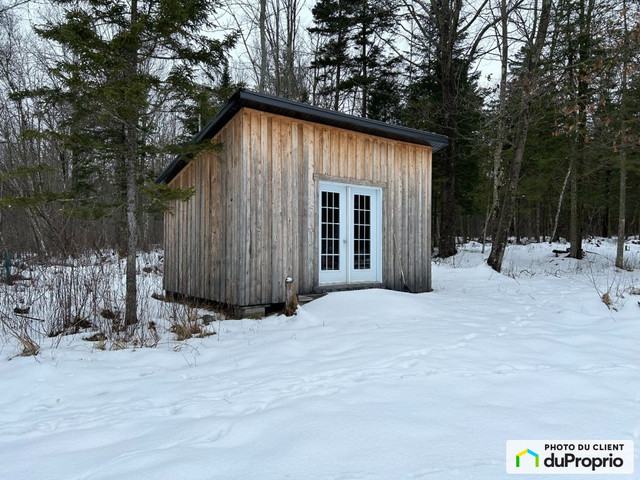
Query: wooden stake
[(291, 298)]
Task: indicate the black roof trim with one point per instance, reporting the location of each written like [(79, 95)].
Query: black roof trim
[(289, 108)]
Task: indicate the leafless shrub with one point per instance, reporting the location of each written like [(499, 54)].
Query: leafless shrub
[(19, 329), (145, 333), (71, 301), (184, 321), (611, 284), (187, 323), (75, 295)]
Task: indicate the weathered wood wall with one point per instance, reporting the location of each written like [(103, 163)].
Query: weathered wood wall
[(253, 219)]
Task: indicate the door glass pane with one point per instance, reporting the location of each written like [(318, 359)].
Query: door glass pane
[(330, 231), (361, 232)]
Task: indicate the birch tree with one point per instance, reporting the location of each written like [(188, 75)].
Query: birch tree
[(502, 41)]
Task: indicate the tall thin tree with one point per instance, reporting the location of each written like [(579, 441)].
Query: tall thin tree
[(450, 32), (528, 83), (129, 59)]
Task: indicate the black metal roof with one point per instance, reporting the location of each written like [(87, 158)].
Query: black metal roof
[(289, 108)]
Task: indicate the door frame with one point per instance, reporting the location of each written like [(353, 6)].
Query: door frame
[(346, 274)]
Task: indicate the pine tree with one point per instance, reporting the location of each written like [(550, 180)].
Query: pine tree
[(351, 61), (439, 33), (424, 109), (332, 24)]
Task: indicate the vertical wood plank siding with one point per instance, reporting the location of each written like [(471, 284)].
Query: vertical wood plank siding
[(253, 218)]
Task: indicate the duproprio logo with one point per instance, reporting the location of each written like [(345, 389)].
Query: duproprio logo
[(530, 452), (541, 457)]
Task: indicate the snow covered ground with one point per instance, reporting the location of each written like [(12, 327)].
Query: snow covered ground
[(359, 385)]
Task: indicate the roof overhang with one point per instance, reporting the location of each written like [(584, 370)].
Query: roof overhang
[(301, 111)]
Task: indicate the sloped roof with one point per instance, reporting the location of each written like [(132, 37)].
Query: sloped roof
[(289, 108)]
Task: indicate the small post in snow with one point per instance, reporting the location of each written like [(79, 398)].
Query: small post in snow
[(291, 298)]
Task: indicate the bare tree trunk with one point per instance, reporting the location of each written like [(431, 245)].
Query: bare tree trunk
[(290, 49), (262, 81), (447, 25), (38, 237), (131, 302), (585, 16), (501, 232), (448, 207), (501, 132), (575, 224), (276, 54), (365, 88), (555, 222), (538, 226), (529, 82), (315, 81), (3, 242), (336, 98), (622, 210), (131, 153)]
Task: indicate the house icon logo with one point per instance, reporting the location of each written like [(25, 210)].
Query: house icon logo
[(530, 452)]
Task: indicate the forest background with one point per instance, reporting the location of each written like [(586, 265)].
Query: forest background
[(540, 100)]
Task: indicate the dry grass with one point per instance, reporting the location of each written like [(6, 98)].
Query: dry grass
[(606, 299), (29, 347), (184, 322)]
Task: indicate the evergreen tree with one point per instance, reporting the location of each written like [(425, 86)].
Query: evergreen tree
[(122, 62), (386, 94), (424, 109), (440, 36), (350, 61), (332, 24), (582, 54), (206, 101)]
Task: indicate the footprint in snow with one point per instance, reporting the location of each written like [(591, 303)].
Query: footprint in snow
[(519, 322)]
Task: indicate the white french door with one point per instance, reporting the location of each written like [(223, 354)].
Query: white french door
[(350, 231)]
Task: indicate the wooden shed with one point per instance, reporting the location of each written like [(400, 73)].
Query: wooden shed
[(332, 200)]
